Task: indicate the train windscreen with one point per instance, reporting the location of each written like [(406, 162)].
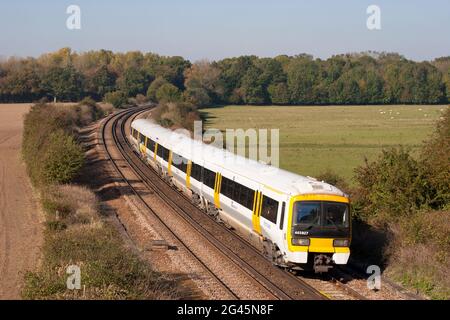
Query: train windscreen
[(308, 214)]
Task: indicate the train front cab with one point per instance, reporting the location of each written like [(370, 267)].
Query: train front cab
[(319, 231)]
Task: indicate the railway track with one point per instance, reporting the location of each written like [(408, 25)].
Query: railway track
[(117, 169), (270, 286), (279, 283)]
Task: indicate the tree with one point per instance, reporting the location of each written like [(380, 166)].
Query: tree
[(153, 88), (258, 77), (231, 75), (168, 93), (132, 82), (358, 78), (279, 93), (63, 83), (116, 98), (302, 76), (102, 82), (203, 84), (21, 84), (169, 68), (252, 87)]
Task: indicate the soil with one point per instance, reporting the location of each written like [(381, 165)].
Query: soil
[(20, 218)]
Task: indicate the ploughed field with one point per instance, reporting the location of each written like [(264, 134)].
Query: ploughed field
[(314, 139), (20, 219)]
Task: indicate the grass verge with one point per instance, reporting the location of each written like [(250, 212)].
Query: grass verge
[(77, 232)]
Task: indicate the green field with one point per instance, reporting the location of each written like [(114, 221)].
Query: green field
[(316, 138)]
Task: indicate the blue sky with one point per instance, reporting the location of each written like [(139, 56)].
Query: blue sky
[(212, 29)]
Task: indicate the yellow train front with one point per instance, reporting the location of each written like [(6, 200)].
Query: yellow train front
[(319, 231), (296, 221)]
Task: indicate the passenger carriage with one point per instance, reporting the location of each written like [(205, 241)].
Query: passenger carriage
[(297, 221)]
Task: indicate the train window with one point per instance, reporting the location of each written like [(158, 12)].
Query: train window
[(209, 178), (246, 198), (243, 195), (163, 152), (250, 198), (179, 162), (135, 134), (150, 145), (227, 187), (237, 192), (160, 150), (141, 138), (283, 208), (269, 209), (196, 171)]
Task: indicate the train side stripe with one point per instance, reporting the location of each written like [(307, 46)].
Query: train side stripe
[(188, 174), (169, 164), (216, 190), (255, 217)]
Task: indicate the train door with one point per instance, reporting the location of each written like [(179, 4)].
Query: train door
[(217, 187), (142, 144), (256, 221)]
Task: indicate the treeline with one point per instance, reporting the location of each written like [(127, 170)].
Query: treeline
[(365, 78)]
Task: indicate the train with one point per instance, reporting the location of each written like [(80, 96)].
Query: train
[(297, 222)]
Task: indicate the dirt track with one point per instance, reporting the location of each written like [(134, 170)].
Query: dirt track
[(20, 221)]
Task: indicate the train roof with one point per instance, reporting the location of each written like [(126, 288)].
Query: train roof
[(212, 157)]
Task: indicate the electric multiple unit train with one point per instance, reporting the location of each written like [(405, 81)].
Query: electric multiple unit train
[(298, 222)]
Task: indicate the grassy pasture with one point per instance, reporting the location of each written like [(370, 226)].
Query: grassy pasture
[(316, 138)]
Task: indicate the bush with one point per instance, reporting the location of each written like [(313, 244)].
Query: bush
[(75, 232), (334, 179), (49, 145), (86, 112), (39, 124), (141, 99), (435, 160), (390, 186), (401, 194), (62, 159), (176, 115), (419, 253), (75, 204), (117, 98), (108, 269)]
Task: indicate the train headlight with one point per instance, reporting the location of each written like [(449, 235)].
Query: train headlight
[(300, 241), (341, 242)]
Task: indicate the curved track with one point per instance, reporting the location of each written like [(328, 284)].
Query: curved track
[(276, 282)]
